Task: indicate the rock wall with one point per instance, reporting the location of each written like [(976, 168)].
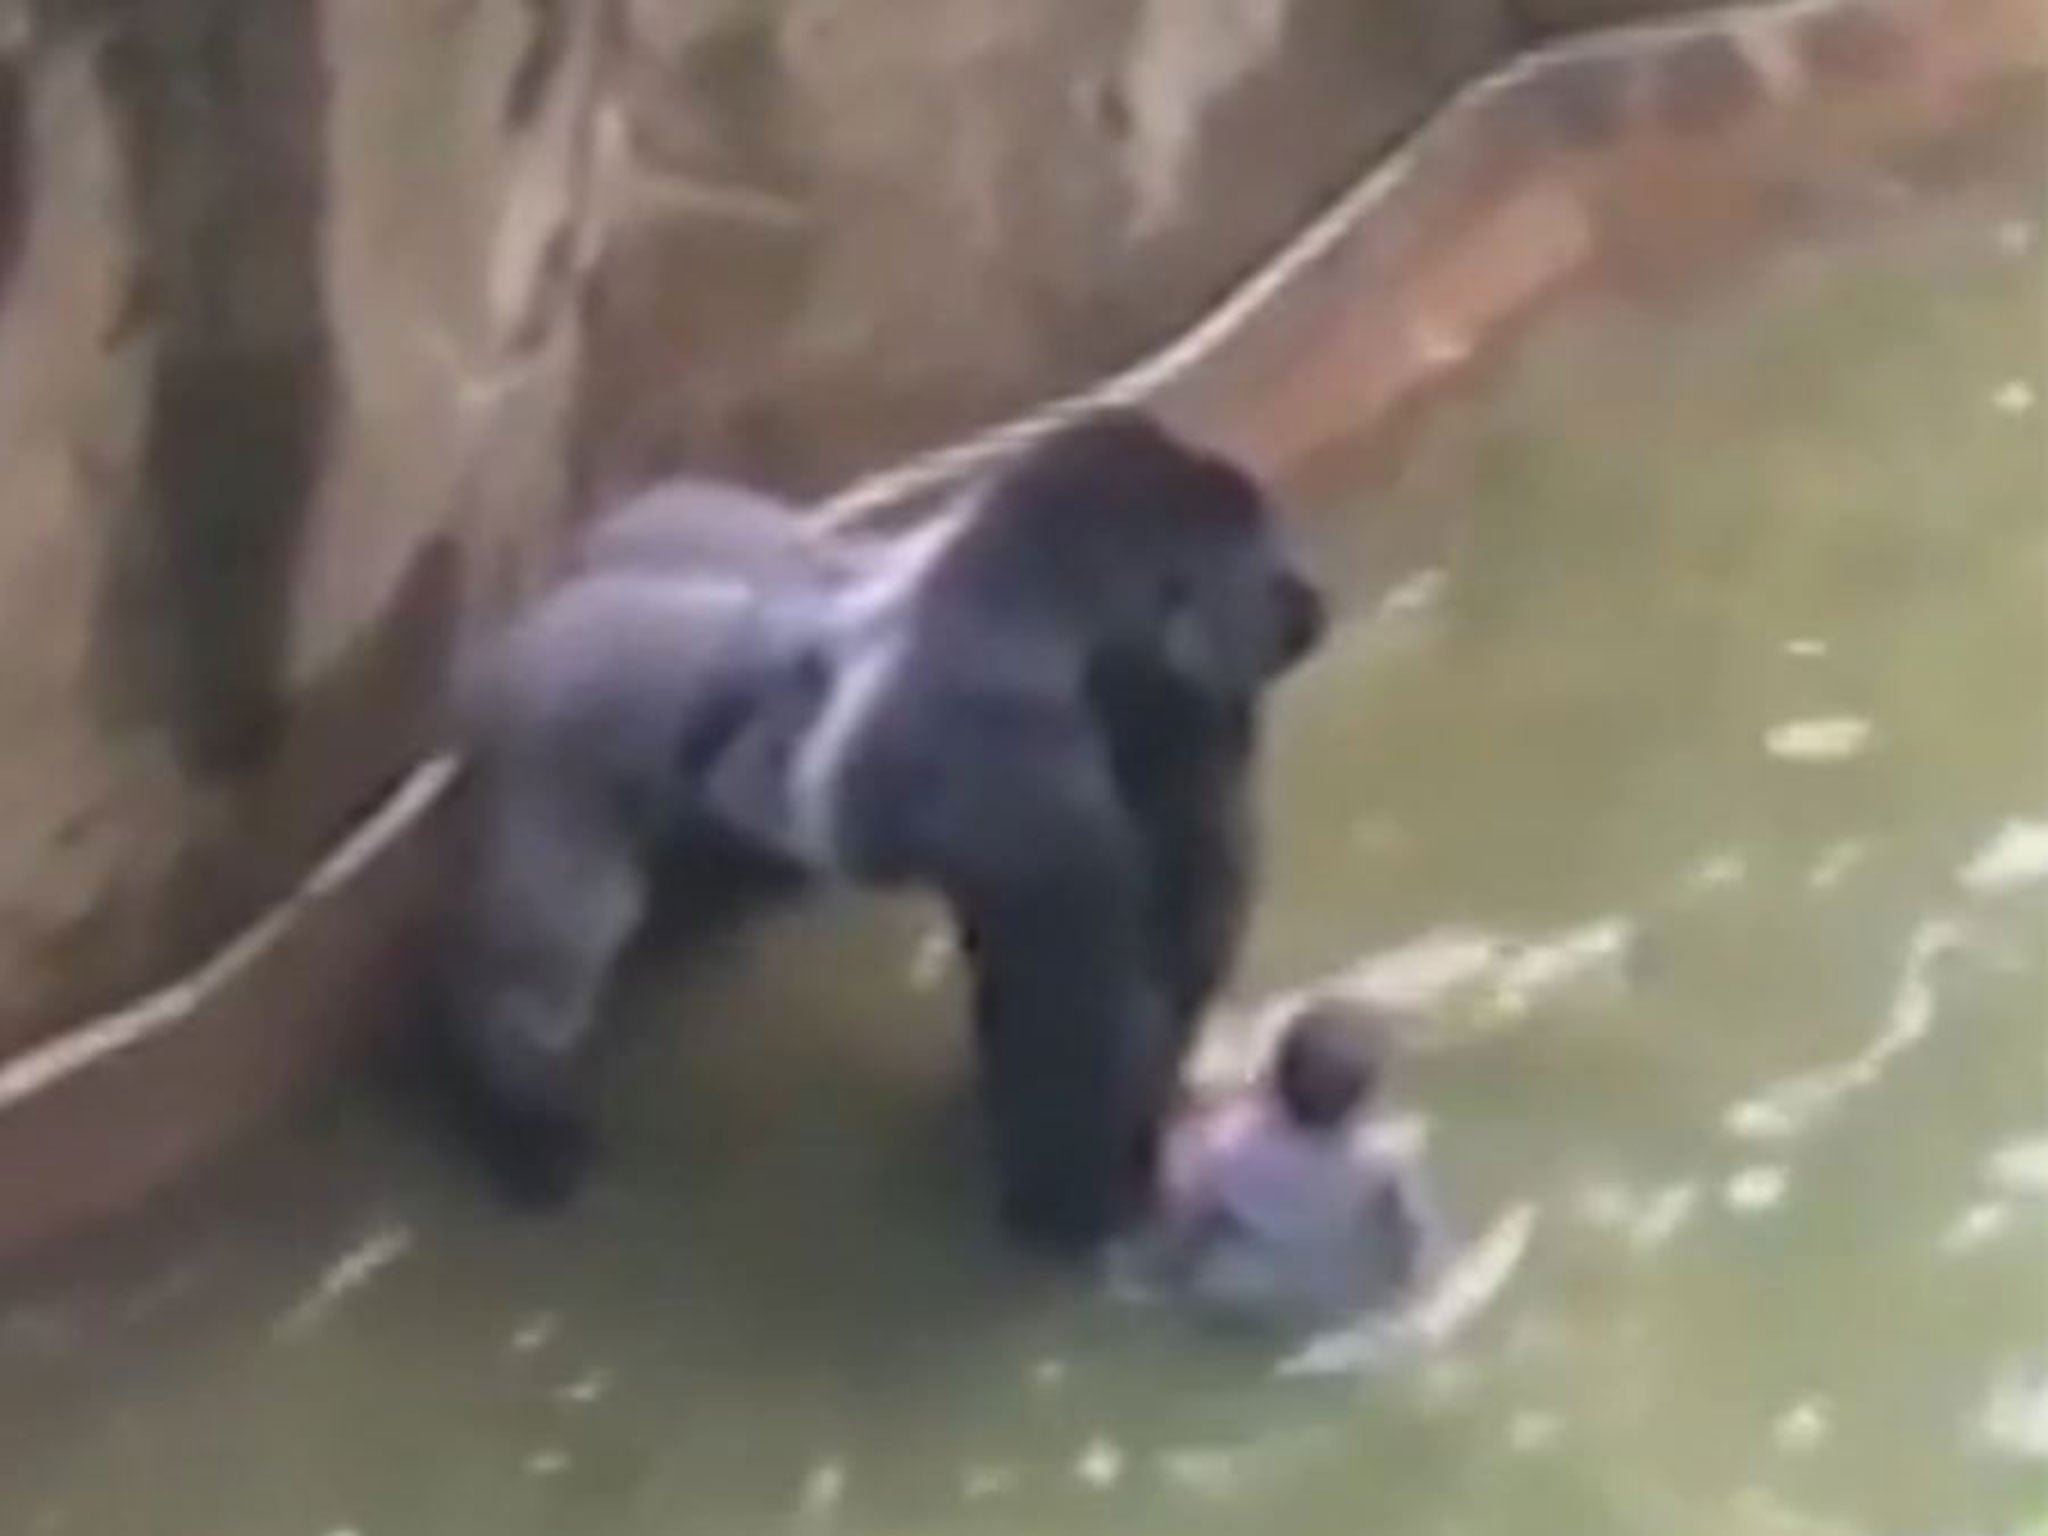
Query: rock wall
[(287, 343), (1541, 20), (835, 230)]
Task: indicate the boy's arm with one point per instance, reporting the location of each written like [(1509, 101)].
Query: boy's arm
[(1408, 1221), (1191, 1215)]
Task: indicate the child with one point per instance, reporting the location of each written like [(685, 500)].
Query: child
[(1276, 1207)]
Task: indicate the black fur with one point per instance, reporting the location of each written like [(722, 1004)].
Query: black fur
[(1047, 712)]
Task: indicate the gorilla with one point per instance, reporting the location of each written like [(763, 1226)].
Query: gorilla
[(1043, 707)]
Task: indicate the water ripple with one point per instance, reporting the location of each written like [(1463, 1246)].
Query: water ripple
[(2015, 856), (1791, 1105)]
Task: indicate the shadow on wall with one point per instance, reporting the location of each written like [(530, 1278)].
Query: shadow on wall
[(222, 115)]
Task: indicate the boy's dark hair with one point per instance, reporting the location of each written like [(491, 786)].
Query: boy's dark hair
[(1327, 1065)]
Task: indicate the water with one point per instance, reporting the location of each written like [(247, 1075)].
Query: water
[(1683, 766)]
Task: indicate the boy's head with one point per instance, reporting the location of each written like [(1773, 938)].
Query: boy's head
[(1327, 1067)]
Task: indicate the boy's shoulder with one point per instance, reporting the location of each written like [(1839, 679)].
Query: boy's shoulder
[(1389, 1140)]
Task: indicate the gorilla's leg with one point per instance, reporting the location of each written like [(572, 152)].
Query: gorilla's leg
[(708, 886), (558, 892)]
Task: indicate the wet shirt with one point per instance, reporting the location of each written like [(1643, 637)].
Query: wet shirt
[(1286, 1224)]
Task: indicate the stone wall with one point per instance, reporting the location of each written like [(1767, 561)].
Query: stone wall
[(835, 230), (286, 349)]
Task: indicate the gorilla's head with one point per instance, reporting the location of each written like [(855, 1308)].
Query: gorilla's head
[(1234, 609), (1169, 553)]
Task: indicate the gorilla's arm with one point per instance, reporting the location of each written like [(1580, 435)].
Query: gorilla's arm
[(1046, 878), (1202, 847), (1184, 768)]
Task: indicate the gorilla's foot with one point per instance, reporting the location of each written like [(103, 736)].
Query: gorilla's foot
[(538, 1160), (1058, 1225), (528, 1129)]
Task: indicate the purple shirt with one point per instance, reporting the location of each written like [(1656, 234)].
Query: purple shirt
[(1285, 1223)]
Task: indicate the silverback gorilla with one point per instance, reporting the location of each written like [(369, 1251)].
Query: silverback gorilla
[(1043, 708)]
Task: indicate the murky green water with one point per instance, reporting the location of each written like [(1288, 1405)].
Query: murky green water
[(1697, 777)]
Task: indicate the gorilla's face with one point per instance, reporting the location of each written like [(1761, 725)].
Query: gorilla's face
[(1239, 610), (1181, 564)]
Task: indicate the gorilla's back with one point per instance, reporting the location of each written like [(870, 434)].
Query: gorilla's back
[(690, 526), (594, 687)]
